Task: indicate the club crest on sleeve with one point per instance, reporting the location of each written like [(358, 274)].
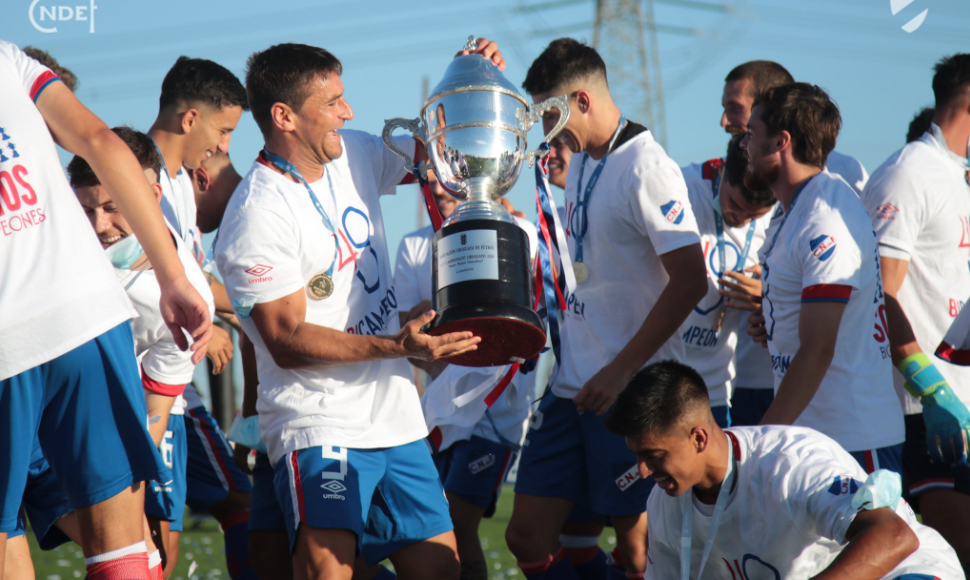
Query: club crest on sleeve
[(673, 211), (887, 211), (843, 485), (483, 462), (823, 247)]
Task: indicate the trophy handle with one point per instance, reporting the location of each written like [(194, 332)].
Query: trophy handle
[(415, 126), (529, 118)]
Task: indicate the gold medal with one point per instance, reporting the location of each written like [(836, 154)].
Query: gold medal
[(320, 287), (581, 271)]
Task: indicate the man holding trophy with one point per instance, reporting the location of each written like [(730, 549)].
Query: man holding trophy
[(303, 254), (639, 271)]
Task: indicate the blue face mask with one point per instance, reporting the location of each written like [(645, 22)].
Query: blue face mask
[(125, 253)]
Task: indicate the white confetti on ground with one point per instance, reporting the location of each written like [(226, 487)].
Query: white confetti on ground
[(193, 566)]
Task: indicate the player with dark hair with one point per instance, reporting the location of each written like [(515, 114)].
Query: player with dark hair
[(822, 313), (304, 257), (763, 502), (920, 124), (919, 202), (66, 353), (43, 57), (639, 272), (741, 87), (732, 232)]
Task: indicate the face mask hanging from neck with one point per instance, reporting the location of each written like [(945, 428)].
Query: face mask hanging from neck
[(125, 253)]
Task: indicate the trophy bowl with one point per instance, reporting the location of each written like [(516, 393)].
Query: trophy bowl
[(474, 127)]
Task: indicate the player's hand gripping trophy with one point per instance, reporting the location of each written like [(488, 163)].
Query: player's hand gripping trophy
[(475, 124)]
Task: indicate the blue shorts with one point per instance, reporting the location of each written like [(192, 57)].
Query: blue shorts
[(475, 470), (44, 502), (575, 457), (166, 501), (264, 509), (212, 473), (92, 398), (921, 475), (391, 498), (748, 406), (890, 458)]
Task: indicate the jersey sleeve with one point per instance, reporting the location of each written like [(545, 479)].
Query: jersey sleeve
[(406, 279), (897, 206), (831, 259), (34, 77), (661, 210), (165, 369), (258, 259), (819, 494), (955, 347)]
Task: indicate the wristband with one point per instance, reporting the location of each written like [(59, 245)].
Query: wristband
[(922, 378)]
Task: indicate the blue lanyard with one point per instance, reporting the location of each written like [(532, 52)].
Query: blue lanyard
[(719, 228), (292, 170), (165, 201), (784, 217), (582, 200)]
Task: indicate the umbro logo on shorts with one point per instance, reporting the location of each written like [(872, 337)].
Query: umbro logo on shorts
[(334, 487), (481, 463), (823, 247), (673, 211)]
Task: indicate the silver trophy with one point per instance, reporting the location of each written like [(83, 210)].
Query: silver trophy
[(474, 126)]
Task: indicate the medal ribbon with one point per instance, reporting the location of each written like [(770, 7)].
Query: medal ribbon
[(429, 202), (292, 170), (784, 218), (711, 172), (582, 199), (550, 284), (165, 202), (687, 513)]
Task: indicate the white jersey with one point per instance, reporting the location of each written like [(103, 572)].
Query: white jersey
[(786, 517), (57, 289), (180, 210), (709, 340), (638, 211), (162, 362), (825, 252), (848, 168), (919, 202), (272, 243), (507, 420), (752, 362)]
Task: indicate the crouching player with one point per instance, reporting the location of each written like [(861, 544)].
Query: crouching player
[(761, 502)]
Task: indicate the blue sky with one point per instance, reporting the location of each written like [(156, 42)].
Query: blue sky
[(879, 74)]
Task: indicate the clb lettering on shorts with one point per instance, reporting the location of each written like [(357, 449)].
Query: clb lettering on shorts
[(333, 480)]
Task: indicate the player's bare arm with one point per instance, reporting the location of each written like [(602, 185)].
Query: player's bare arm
[(79, 131), (879, 540), (902, 340), (687, 285), (818, 328), (295, 343)]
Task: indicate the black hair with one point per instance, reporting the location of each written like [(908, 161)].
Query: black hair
[(141, 145), (564, 61), (735, 166), (45, 58), (920, 124), (763, 74), (283, 73), (197, 80), (657, 399), (952, 78)]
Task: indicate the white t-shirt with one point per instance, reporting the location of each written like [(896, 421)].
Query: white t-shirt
[(638, 211), (179, 208), (920, 203), (709, 350), (509, 415), (752, 361), (848, 168), (161, 359), (826, 252), (272, 242), (786, 517), (57, 289)]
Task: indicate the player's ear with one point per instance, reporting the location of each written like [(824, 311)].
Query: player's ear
[(783, 140), (700, 438), (283, 117), (188, 120), (157, 191), (583, 101)]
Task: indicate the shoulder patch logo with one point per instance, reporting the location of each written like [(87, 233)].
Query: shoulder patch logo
[(673, 211), (886, 211), (844, 485), (823, 247)]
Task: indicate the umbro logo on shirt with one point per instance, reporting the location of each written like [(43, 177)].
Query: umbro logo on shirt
[(823, 247), (673, 211), (844, 485), (259, 271), (886, 211)]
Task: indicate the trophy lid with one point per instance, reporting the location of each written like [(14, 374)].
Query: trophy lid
[(473, 72)]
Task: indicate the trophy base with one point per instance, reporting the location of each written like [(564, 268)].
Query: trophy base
[(509, 333)]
